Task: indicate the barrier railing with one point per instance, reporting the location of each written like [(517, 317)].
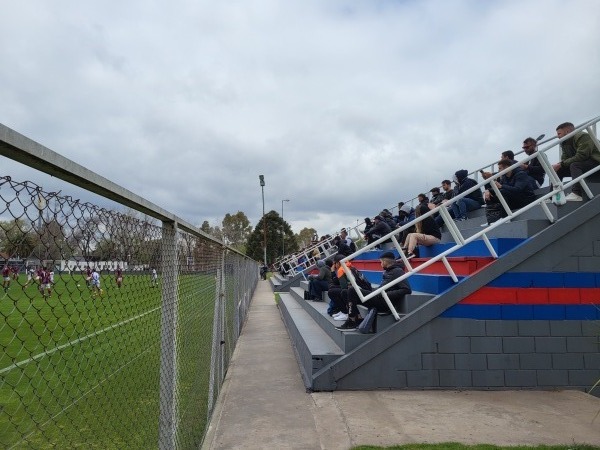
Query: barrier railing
[(131, 355), (460, 240)]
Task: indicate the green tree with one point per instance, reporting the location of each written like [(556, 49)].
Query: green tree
[(304, 238), (236, 229), (279, 233), (213, 231), (17, 239)]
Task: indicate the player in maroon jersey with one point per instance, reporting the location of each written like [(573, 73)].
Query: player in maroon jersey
[(46, 283), (39, 276), (119, 276), (88, 276), (6, 278)]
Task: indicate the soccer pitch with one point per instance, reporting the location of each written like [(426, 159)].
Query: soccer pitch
[(79, 370)]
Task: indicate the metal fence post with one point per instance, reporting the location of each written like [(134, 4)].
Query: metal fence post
[(168, 339)]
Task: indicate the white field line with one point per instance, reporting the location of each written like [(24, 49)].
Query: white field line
[(76, 341)]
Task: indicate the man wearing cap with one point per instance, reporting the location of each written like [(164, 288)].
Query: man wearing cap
[(391, 271), (436, 197)]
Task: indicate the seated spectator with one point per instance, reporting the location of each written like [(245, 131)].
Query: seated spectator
[(426, 233), (448, 191), (392, 271), (437, 198), (507, 155), (469, 203), (349, 241), (422, 199), (388, 218), (368, 226), (533, 168), (342, 246), (578, 154), (319, 283), (338, 289), (406, 215), (380, 228), (515, 186)]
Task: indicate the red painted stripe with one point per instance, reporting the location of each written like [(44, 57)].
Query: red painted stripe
[(533, 296)]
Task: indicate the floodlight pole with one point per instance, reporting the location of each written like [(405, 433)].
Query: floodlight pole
[(283, 229), (262, 187)]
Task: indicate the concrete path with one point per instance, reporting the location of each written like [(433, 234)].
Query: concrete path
[(263, 405)]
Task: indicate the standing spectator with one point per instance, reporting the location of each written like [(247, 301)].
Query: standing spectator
[(426, 233), (533, 168), (578, 155), (515, 187), (319, 283), (391, 271), (471, 202)]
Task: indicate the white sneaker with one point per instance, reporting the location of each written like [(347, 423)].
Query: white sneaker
[(572, 197), (341, 317)]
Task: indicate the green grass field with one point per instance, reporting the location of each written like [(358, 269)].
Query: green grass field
[(83, 371)]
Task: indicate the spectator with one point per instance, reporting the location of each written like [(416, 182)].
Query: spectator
[(392, 270), (349, 241), (380, 228), (422, 199), (368, 226), (436, 198), (448, 191), (406, 215), (507, 155), (515, 187), (342, 246), (578, 155), (470, 202), (426, 233), (338, 290), (533, 168), (388, 218), (319, 283)]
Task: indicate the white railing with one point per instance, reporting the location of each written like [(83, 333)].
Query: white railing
[(460, 240)]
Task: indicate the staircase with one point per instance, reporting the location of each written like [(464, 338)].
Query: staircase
[(529, 319)]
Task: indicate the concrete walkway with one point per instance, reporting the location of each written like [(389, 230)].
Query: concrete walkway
[(263, 405)]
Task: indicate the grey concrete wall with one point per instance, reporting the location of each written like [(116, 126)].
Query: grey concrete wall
[(487, 354)]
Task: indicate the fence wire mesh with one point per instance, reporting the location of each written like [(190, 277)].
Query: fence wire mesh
[(115, 329)]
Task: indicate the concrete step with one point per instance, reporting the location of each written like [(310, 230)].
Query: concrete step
[(313, 347), (346, 340)]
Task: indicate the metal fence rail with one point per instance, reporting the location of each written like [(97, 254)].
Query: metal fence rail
[(121, 331)]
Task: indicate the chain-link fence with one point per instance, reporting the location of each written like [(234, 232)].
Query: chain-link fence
[(116, 329)]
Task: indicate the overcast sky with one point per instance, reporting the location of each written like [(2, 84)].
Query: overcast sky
[(346, 107)]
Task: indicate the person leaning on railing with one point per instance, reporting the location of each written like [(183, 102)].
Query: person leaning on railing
[(515, 186), (578, 155)]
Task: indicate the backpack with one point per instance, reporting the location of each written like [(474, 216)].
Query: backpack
[(352, 246), (362, 282), (369, 323)]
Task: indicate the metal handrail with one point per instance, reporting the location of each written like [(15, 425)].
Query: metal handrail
[(557, 186)]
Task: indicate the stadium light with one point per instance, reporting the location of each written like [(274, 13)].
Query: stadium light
[(262, 187)]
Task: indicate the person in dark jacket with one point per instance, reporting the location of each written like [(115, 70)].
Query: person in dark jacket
[(427, 233), (319, 283), (380, 228), (533, 168), (391, 271), (471, 202), (516, 188)]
